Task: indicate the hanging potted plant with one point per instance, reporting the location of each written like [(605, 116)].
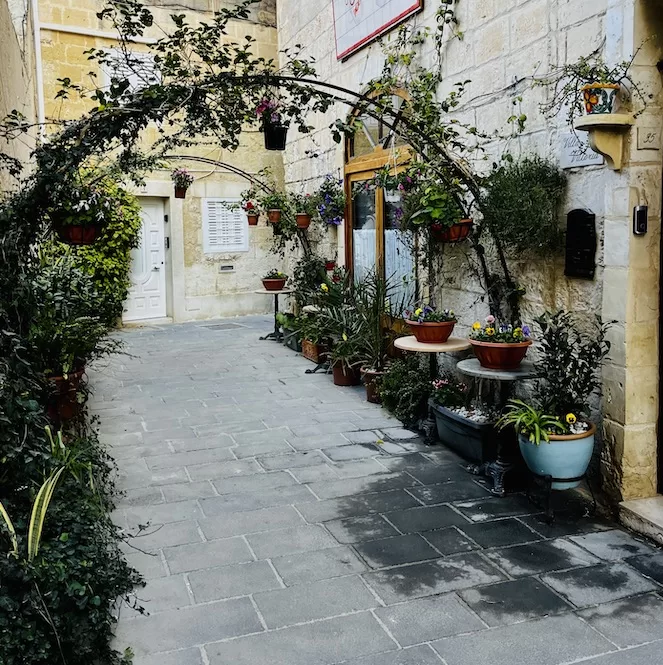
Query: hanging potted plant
[(555, 434), (305, 208), (273, 204), (500, 346), (272, 123), (330, 200), (274, 280), (182, 180), (81, 213), (429, 325), (430, 206)]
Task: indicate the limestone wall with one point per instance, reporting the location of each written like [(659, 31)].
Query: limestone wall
[(505, 43), (197, 287)]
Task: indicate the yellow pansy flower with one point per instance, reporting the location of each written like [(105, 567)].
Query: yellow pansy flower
[(571, 419), (476, 326), (418, 312), (324, 287), (490, 331), (345, 337)]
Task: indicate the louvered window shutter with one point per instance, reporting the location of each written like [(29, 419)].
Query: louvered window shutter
[(138, 68), (224, 230)]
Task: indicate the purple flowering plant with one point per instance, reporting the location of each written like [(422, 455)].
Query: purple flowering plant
[(330, 199), (449, 392), (428, 314), (182, 178), (269, 112), (494, 331)]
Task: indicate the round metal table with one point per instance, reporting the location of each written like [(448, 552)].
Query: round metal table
[(276, 334)]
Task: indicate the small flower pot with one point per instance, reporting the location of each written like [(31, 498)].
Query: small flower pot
[(371, 380), (253, 218), (345, 376), (275, 136), (303, 220), (312, 351), (63, 401), (330, 265), (600, 98), (455, 233), (500, 355), (564, 458), (77, 234), (432, 333), (180, 192), (274, 284), (274, 215)]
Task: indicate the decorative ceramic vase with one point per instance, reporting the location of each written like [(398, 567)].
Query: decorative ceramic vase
[(180, 192), (78, 234), (345, 376), (371, 380), (274, 284), (432, 333), (303, 220), (455, 233), (500, 355), (274, 215), (275, 136), (253, 218), (598, 98), (564, 458)]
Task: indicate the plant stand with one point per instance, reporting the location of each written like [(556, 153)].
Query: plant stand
[(505, 461), (276, 334), (452, 345), (545, 483)]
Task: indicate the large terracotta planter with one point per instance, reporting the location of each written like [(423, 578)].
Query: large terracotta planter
[(500, 355), (303, 220), (600, 98), (180, 192), (312, 351), (63, 401), (432, 333), (345, 376), (275, 136), (77, 234), (274, 284), (371, 380), (454, 233), (274, 215), (253, 218), (564, 458)]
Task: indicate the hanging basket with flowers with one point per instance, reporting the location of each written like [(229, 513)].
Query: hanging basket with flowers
[(272, 124), (330, 200), (305, 209), (498, 345), (81, 213), (182, 180)]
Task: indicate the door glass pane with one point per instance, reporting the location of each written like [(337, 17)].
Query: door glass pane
[(398, 259), (363, 233)]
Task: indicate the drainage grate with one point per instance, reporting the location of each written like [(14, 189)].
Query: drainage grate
[(223, 326)]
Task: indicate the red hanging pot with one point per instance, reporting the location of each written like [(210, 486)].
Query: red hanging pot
[(303, 220), (253, 218), (180, 192), (78, 234), (455, 233), (274, 215)]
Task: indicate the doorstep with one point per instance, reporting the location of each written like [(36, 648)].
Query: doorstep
[(644, 516)]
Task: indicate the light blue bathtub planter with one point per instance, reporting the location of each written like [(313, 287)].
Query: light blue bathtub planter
[(562, 457)]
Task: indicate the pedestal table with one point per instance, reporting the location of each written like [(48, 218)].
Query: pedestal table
[(276, 335)]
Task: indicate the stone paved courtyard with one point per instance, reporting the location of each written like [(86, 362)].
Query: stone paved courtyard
[(292, 523)]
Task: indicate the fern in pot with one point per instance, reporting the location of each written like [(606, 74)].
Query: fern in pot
[(555, 433)]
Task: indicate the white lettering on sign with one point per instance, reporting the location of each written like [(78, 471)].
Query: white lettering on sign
[(359, 22), (575, 152), (649, 138)]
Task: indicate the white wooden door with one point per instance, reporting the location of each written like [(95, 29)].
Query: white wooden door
[(147, 294)]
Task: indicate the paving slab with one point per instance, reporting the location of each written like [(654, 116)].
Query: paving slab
[(420, 655), (650, 565), (230, 581), (613, 545), (500, 533), (253, 521), (183, 657), (396, 551), (359, 529), (185, 558), (425, 519), (450, 541), (318, 565), (290, 541)]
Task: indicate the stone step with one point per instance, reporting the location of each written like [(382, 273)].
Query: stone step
[(644, 516)]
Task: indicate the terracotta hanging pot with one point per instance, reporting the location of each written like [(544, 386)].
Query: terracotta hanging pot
[(180, 192), (275, 136), (303, 220), (78, 234), (274, 215), (455, 233), (253, 218), (432, 333), (500, 355)]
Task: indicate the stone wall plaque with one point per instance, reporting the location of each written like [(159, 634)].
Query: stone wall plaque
[(580, 244), (649, 138), (575, 151)]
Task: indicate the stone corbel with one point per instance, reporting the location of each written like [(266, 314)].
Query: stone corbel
[(607, 132)]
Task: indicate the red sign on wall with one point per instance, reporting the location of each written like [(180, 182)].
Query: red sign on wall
[(359, 22)]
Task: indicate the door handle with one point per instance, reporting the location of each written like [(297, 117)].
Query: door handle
[(156, 268)]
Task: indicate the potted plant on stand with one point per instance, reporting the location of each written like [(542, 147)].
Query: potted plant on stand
[(429, 325), (182, 180), (272, 123), (555, 433), (274, 280), (499, 346)]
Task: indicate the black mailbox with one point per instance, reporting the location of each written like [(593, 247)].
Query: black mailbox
[(580, 244)]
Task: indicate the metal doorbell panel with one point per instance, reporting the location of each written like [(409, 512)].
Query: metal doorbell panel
[(640, 218)]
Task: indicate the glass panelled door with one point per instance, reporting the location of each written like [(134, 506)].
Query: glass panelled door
[(399, 266), (364, 233)]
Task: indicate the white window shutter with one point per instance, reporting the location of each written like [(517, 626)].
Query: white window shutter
[(138, 68), (224, 230)]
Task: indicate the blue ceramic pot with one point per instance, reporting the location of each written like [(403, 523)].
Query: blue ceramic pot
[(562, 457)]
